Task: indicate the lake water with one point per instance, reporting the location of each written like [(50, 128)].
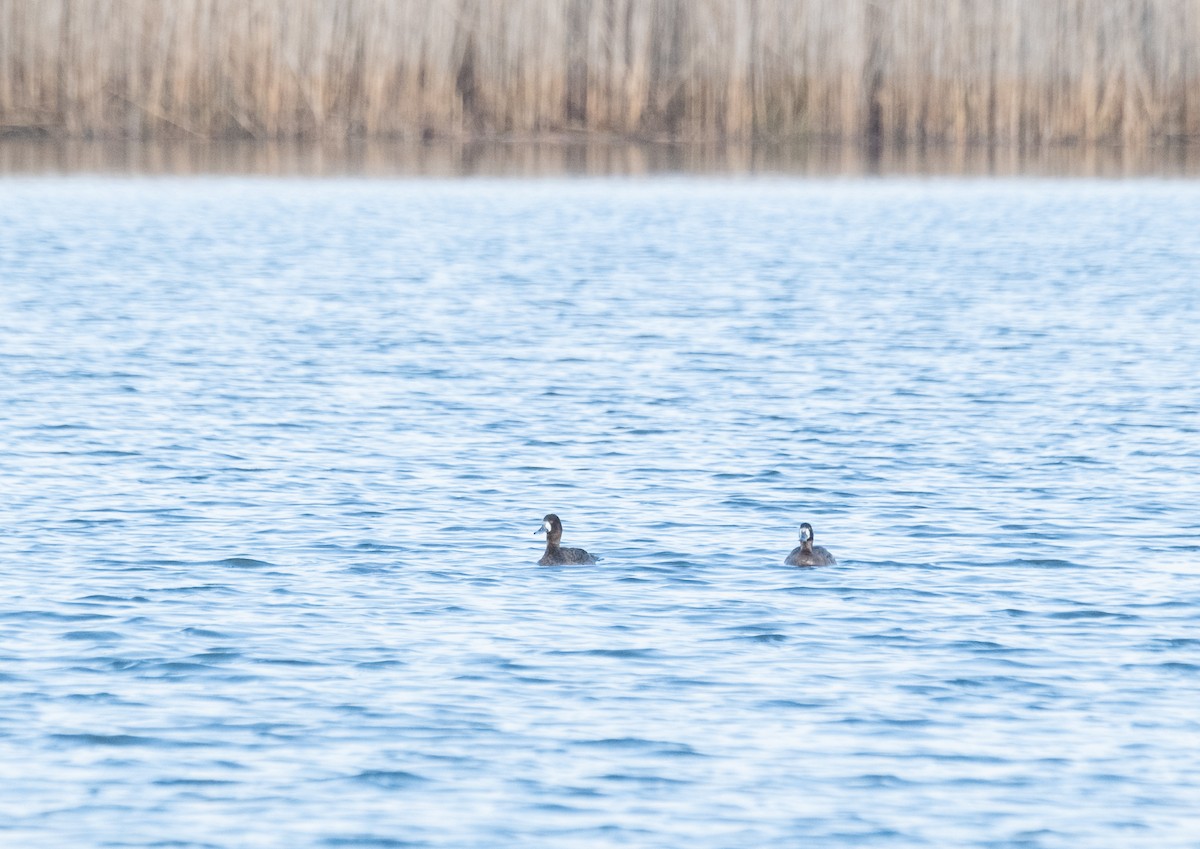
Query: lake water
[(274, 452)]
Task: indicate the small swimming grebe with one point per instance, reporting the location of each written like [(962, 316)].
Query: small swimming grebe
[(805, 554), (555, 554)]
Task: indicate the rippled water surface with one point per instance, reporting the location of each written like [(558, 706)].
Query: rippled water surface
[(274, 452)]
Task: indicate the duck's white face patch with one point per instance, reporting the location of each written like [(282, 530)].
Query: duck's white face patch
[(805, 533), (546, 525)]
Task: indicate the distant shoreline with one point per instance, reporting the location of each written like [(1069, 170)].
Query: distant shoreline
[(903, 73)]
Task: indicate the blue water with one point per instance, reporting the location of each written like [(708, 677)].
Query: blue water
[(274, 452)]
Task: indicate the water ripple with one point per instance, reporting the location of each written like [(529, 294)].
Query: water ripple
[(275, 451)]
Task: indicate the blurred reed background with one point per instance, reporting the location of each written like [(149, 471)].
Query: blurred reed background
[(1023, 72)]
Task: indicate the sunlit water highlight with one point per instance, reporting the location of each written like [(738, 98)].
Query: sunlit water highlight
[(274, 453)]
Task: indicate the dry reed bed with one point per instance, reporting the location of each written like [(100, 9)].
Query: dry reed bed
[(1006, 71)]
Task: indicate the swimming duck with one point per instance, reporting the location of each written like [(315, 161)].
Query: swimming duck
[(555, 554), (806, 554)]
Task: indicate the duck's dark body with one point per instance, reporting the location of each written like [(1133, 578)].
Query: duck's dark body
[(810, 555), (555, 554), (807, 554)]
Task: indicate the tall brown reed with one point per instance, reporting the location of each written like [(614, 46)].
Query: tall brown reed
[(1008, 71)]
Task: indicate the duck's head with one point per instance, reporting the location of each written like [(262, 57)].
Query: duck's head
[(551, 527)]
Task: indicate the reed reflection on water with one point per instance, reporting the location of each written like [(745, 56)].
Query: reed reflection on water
[(581, 155)]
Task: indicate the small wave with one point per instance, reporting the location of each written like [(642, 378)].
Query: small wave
[(1046, 563), (205, 632), (390, 779), (672, 681), (890, 638), (1176, 643), (371, 545), (137, 599), (657, 746), (618, 653), (95, 636), (1092, 614), (764, 638), (241, 563), (370, 569), (553, 808), (199, 588), (978, 645), (183, 666), (119, 740), (879, 780), (747, 476), (193, 782), (645, 780), (790, 704)]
